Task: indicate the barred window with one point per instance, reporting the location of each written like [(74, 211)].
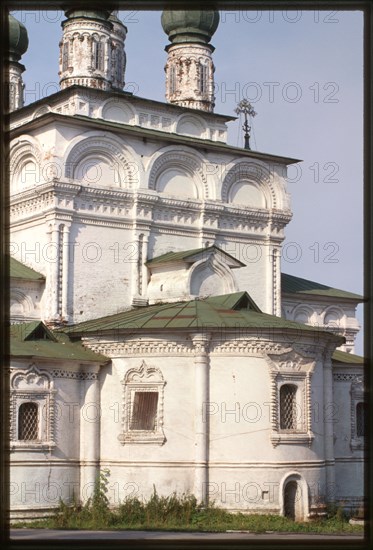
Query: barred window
[(361, 414), (288, 411), (144, 411), (28, 422)]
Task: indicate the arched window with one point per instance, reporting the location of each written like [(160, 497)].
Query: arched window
[(65, 56), (28, 423), (173, 80), (288, 411), (98, 55), (361, 415)]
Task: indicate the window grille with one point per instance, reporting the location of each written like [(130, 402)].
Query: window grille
[(28, 422), (361, 411), (144, 411), (288, 411)]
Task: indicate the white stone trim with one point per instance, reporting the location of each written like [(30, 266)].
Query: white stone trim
[(291, 368), (36, 386), (357, 443)]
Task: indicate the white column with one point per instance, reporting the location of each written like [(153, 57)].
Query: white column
[(201, 362), (90, 412), (65, 271), (276, 281), (329, 428), (51, 253), (135, 266), (143, 267)]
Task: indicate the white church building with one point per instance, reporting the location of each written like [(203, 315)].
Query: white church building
[(143, 341)]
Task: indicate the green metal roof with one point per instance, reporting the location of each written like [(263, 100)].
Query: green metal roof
[(34, 339), (237, 300), (21, 271), (185, 254), (350, 358), (296, 285), (219, 312)]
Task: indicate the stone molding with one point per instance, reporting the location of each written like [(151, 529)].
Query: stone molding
[(357, 393), (36, 386), (291, 367)]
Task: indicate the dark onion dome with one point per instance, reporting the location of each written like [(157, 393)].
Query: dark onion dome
[(87, 14), (18, 39), (190, 26)]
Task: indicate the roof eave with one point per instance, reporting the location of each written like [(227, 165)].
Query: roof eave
[(141, 132)]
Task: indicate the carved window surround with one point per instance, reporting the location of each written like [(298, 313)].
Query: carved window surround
[(357, 443), (35, 386), (291, 368), (142, 379)]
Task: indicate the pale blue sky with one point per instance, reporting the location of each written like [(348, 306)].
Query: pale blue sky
[(311, 63)]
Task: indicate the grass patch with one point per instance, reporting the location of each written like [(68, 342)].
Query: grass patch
[(179, 513)]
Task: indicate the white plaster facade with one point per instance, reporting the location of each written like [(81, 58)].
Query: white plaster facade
[(103, 184)]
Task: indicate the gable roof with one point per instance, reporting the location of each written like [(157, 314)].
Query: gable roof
[(21, 271), (296, 285), (191, 256), (34, 339), (34, 330), (231, 311)]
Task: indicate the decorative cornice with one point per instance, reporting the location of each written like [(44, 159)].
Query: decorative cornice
[(139, 348), (73, 375), (245, 346)]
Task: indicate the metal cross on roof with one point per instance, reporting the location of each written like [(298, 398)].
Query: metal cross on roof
[(245, 107)]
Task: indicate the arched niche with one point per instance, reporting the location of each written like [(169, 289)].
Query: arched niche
[(25, 159), (247, 193), (211, 277), (294, 497), (98, 170), (21, 305), (191, 126), (333, 318), (118, 112), (102, 161), (206, 282), (249, 184), (28, 174), (186, 165), (178, 182)]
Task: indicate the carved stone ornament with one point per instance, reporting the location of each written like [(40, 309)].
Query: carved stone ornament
[(33, 386), (143, 379)]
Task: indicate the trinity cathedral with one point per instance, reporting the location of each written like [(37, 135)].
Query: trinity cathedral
[(153, 334)]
